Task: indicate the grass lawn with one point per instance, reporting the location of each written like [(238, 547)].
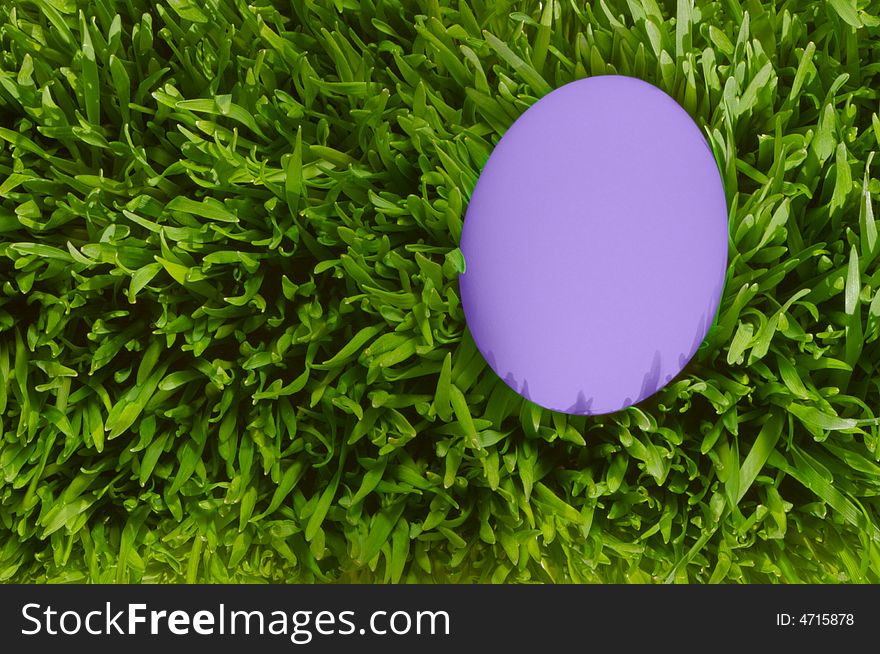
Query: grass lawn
[(231, 342)]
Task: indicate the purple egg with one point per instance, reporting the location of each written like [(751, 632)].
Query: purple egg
[(595, 246)]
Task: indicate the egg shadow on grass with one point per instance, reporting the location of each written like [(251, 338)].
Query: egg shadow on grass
[(511, 381), (582, 405), (524, 391), (490, 359), (651, 382), (686, 362), (699, 336)]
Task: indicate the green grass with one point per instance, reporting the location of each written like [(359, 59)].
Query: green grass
[(231, 342)]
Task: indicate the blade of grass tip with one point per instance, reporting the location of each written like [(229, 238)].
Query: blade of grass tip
[(141, 277), (353, 347), (207, 208), (847, 11), (542, 39), (852, 290), (127, 541), (58, 23), (757, 457), (289, 479), (463, 415), (189, 456), (813, 417), (91, 81), (742, 339), (683, 20), (528, 74), (874, 317), (854, 460), (148, 362), (729, 455), (526, 461), (695, 549), (867, 225), (842, 178), (400, 542), (824, 142), (801, 74), (130, 406), (195, 555), (151, 457), (370, 480), (790, 377), (380, 531), (446, 57), (804, 471), (558, 506), (324, 502), (442, 404), (293, 176), (122, 84), (246, 508), (765, 337)]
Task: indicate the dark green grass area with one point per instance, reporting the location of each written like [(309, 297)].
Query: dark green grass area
[(231, 342)]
